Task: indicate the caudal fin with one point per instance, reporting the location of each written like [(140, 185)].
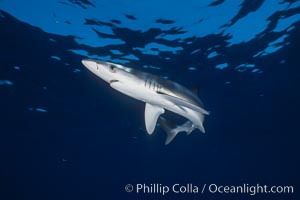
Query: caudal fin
[(171, 134), (170, 128), (201, 128)]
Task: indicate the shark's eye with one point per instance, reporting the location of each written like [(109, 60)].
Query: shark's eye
[(112, 68)]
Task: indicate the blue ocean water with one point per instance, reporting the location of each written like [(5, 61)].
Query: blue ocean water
[(65, 134)]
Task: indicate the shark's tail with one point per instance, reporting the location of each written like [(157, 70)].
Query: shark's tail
[(172, 129)]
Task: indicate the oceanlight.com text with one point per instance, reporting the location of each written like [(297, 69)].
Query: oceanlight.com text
[(190, 188)]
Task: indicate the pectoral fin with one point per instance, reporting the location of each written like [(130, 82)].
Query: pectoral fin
[(152, 112)]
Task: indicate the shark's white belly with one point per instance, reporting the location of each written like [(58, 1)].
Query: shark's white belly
[(147, 95)]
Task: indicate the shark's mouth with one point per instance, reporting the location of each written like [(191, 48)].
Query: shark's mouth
[(113, 81)]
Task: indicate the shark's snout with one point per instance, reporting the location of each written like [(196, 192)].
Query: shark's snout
[(88, 63), (102, 69)]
